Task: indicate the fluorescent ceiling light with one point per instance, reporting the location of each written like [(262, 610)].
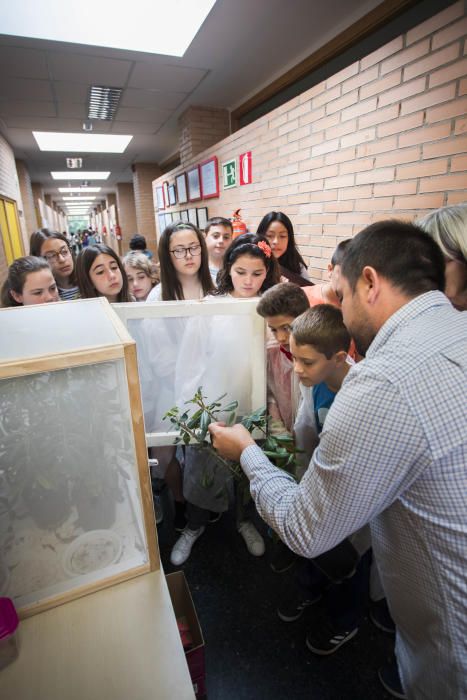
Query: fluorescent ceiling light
[(86, 175), (176, 22), (78, 199), (87, 143), (79, 189)]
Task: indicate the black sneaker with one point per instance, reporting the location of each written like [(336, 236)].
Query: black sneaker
[(391, 681), (282, 558), (180, 521), (381, 617), (325, 639), (294, 607)]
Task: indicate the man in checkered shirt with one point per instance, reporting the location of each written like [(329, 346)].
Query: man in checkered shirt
[(393, 452)]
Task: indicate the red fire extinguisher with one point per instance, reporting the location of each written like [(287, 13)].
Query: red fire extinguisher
[(118, 232), (238, 225)]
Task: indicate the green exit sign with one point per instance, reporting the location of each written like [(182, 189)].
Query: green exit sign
[(230, 173)]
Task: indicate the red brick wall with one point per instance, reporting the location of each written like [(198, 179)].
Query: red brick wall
[(385, 137)]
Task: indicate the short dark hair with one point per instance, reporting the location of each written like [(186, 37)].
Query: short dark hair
[(284, 299), (291, 259), (247, 244), (83, 265), (218, 221), (171, 288), (138, 242), (399, 251), (338, 255), (17, 275), (322, 327)]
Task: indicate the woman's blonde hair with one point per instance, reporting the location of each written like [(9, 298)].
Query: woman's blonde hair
[(140, 261), (448, 227)]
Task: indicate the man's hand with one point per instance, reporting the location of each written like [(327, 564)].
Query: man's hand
[(230, 442)]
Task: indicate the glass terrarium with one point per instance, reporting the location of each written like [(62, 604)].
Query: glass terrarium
[(217, 344), (76, 511)]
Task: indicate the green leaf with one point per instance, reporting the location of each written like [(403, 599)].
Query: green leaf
[(232, 406), (231, 419)]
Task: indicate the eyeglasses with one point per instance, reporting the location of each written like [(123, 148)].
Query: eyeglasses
[(62, 253), (180, 253)]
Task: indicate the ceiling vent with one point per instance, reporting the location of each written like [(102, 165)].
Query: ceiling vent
[(103, 102)]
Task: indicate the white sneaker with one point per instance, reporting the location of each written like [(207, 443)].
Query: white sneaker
[(253, 540), (182, 547)]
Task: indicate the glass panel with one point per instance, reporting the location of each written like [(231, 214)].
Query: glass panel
[(69, 508), (44, 329), (178, 355)]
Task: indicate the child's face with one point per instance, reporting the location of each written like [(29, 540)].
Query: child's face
[(39, 288), (311, 366), (218, 240), (247, 274), (58, 255), (188, 265), (139, 283), (278, 238), (280, 327), (106, 277)]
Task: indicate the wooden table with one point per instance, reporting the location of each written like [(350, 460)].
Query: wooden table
[(121, 643)]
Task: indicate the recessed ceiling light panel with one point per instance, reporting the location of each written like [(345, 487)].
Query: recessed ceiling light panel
[(86, 143), (82, 23), (85, 175), (84, 190)]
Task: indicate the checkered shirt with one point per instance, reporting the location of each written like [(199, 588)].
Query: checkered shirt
[(393, 452)]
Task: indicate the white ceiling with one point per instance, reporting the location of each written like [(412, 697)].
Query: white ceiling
[(242, 46)]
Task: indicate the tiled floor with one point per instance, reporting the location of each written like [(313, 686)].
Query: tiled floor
[(250, 653)]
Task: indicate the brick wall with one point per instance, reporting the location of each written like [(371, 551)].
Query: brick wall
[(385, 137), (200, 128), (126, 212), (143, 175)]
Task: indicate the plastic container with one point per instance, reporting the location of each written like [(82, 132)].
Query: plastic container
[(8, 625)]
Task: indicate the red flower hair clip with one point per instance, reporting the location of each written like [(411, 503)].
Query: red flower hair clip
[(265, 248)]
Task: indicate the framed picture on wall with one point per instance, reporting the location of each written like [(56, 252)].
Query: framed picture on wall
[(165, 185), (209, 170), (202, 214), (194, 186), (192, 218), (172, 195), (169, 218), (160, 197), (161, 222), (183, 215), (182, 195)]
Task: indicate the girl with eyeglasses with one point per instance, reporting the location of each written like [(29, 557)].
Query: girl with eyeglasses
[(184, 273), (249, 268), (184, 265), (100, 273), (29, 281), (54, 247)]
